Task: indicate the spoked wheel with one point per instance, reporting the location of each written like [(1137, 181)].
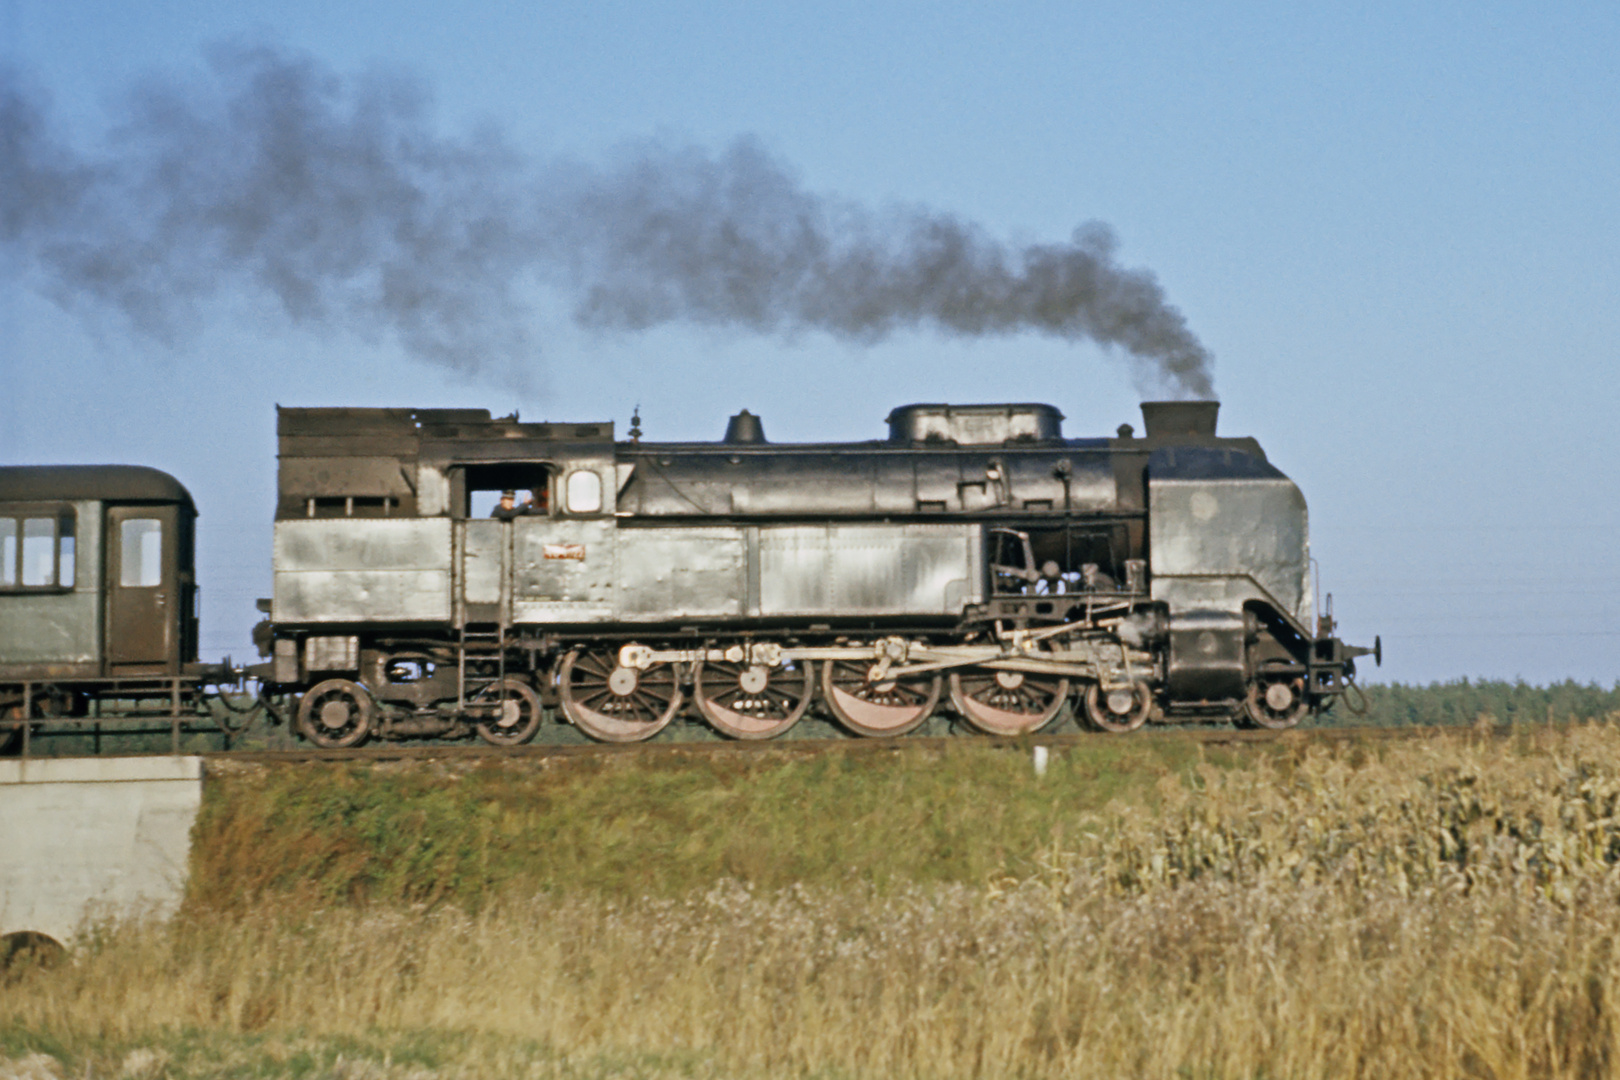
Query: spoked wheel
[(516, 715), (1120, 708), (877, 709), (1007, 702), (336, 714), (617, 704), (752, 701), (1277, 703)]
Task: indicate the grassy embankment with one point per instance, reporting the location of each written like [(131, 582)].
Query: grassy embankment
[(1446, 907)]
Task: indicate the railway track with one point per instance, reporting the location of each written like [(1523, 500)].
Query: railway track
[(805, 748)]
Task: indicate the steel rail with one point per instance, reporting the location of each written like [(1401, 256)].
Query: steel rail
[(813, 747)]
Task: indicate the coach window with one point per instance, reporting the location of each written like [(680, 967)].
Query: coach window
[(141, 553), (66, 552), (584, 492), (37, 551)]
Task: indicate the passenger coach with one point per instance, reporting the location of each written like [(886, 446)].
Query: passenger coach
[(97, 589)]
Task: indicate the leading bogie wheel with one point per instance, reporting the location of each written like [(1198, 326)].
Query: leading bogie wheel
[(752, 701), (1276, 704), (336, 714), (515, 716), (1007, 702), (1118, 709), (617, 704), (881, 707)]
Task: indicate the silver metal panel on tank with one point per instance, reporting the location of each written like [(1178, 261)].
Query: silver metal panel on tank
[(1237, 528), (362, 570), (562, 569), (337, 652), (910, 569), (681, 573), (432, 491), (483, 562)]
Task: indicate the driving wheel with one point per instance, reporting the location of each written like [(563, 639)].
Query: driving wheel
[(878, 708), (752, 701), (617, 704), (1007, 702)]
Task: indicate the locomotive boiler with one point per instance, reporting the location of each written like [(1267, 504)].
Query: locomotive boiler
[(974, 560)]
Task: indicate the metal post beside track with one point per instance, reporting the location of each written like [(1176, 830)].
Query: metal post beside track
[(174, 716)]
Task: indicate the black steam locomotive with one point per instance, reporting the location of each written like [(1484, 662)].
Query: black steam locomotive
[(975, 555)]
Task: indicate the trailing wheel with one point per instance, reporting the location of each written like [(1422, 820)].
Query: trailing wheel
[(1007, 702), (1276, 703), (336, 714), (511, 713), (617, 704), (1119, 708), (752, 701), (877, 708)]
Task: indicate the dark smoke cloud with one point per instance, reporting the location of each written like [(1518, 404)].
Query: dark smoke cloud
[(340, 201)]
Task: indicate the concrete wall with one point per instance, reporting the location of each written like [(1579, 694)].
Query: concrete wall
[(89, 838)]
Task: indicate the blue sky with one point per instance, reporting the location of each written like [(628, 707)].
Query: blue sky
[(1395, 227)]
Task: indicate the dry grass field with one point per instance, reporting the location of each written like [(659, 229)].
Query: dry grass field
[(1443, 907)]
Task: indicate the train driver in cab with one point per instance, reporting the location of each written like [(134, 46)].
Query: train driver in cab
[(507, 508)]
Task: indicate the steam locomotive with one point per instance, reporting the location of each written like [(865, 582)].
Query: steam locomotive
[(975, 556)]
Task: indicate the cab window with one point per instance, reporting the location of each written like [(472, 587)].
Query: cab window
[(584, 492), (477, 490)]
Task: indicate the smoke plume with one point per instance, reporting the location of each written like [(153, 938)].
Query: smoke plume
[(340, 201)]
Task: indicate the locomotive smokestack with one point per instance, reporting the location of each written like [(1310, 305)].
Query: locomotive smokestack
[(1169, 419)]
